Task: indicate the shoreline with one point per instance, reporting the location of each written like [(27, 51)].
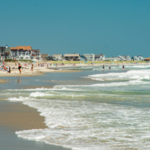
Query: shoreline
[(3, 81), (36, 72), (18, 116), (15, 116), (40, 71)]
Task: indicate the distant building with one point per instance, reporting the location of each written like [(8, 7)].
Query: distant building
[(100, 57), (57, 57), (25, 53), (36, 55), (7, 52), (138, 57), (72, 57), (147, 59), (89, 57), (21, 52), (120, 58), (44, 56), (2, 53), (126, 57)]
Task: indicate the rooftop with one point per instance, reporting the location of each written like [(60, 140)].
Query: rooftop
[(21, 47)]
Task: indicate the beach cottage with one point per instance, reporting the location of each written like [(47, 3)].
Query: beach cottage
[(138, 57), (36, 55), (72, 57), (21, 52), (120, 58), (89, 57), (2, 53), (57, 57), (100, 57)]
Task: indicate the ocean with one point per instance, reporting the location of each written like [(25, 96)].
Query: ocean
[(94, 109)]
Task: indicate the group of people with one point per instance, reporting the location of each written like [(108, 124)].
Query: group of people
[(110, 67), (4, 68), (9, 69)]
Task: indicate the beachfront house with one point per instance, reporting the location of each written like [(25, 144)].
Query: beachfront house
[(2, 53), (7, 52), (147, 59), (21, 52), (57, 57), (120, 58), (126, 57), (100, 57), (138, 57), (25, 53), (36, 55), (44, 56), (50, 58), (72, 57), (89, 57)]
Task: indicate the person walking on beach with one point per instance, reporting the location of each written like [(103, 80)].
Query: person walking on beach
[(32, 67), (19, 67)]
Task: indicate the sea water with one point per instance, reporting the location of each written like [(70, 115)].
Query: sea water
[(94, 109)]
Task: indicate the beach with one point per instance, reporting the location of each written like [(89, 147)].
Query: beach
[(85, 107), (15, 117), (20, 117), (40, 68)]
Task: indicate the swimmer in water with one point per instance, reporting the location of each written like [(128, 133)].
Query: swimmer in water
[(123, 66), (103, 67)]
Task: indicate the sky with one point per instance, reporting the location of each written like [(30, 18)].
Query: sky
[(110, 27)]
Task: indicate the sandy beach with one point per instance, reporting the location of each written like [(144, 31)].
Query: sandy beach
[(17, 117), (39, 70), (60, 104), (26, 70)]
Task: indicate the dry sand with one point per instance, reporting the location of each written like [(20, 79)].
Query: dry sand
[(17, 116), (38, 70), (26, 71)]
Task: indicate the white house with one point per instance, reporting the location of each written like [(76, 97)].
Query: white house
[(89, 57)]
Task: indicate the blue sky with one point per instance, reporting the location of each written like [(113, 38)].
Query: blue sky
[(111, 27)]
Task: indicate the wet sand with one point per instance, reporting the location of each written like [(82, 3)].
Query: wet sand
[(3, 81), (15, 116)]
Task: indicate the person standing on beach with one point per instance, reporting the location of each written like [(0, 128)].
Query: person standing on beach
[(9, 70), (103, 67), (123, 66), (19, 67), (32, 67)]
